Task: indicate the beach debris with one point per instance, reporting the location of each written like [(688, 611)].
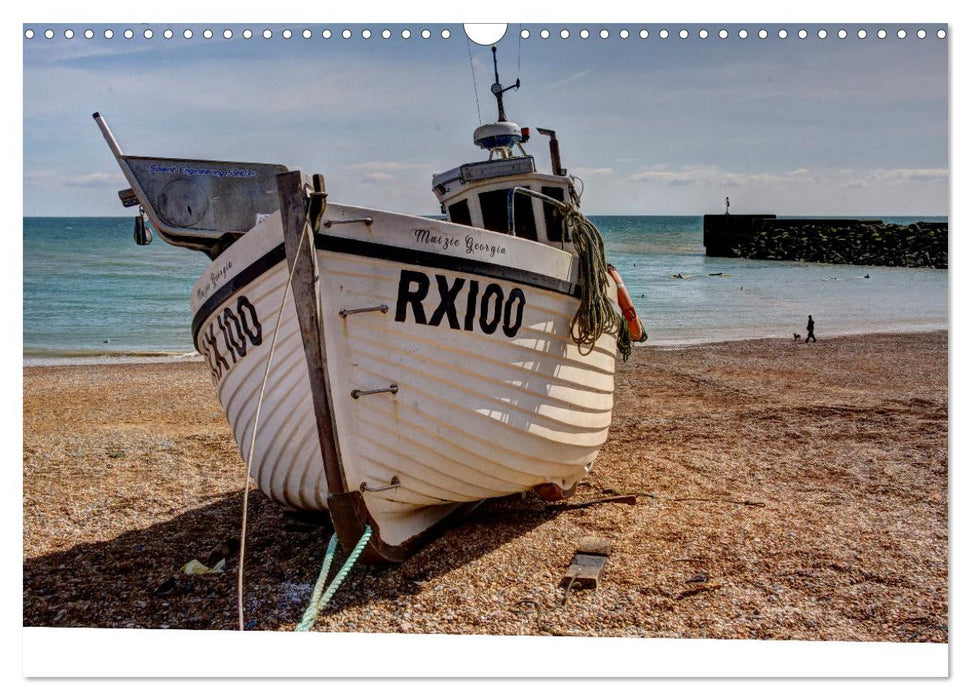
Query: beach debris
[(223, 551), (215, 563), (919, 634), (678, 499), (306, 521), (699, 582), (196, 567), (700, 588), (627, 498), (588, 562), (166, 587)]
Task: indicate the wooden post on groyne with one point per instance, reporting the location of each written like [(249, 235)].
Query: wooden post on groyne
[(846, 241)]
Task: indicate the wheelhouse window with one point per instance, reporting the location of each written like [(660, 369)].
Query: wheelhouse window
[(495, 214), (555, 231), (458, 213)]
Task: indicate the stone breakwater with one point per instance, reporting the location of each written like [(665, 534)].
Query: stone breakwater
[(841, 241)]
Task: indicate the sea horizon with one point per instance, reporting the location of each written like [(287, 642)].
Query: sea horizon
[(92, 296), (885, 217)]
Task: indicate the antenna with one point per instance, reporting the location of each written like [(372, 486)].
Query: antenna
[(475, 85), (498, 89)]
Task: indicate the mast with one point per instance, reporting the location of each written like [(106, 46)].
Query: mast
[(498, 89), (500, 136)]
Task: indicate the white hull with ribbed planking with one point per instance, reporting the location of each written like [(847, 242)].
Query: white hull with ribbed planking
[(286, 457), (451, 373)]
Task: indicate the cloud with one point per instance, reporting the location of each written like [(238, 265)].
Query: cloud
[(907, 175), (713, 175), (388, 165), (901, 176), (92, 180), (48, 178), (377, 178), (585, 172), (569, 80), (665, 177)]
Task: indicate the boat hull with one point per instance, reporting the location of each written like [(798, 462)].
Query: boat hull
[(450, 373)]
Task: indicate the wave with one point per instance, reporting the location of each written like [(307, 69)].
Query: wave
[(35, 357)]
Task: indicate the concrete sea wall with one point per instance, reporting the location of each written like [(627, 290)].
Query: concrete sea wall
[(847, 241)]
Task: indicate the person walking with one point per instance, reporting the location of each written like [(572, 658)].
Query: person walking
[(809, 329)]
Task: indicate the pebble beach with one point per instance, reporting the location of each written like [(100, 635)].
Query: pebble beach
[(775, 490)]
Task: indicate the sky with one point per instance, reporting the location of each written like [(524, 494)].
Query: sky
[(793, 126)]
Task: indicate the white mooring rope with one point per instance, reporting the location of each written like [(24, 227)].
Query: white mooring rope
[(256, 422)]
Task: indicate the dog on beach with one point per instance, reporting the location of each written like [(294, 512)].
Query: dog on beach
[(796, 336)]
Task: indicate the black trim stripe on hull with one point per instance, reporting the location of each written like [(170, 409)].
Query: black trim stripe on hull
[(219, 297), (420, 258)]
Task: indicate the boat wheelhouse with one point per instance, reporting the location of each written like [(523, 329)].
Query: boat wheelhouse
[(506, 193)]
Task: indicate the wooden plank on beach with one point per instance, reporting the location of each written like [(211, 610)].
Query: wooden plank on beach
[(588, 562)]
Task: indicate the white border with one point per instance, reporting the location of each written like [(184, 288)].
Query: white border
[(88, 653), (78, 653)]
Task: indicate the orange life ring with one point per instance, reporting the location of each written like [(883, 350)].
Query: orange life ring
[(637, 332)]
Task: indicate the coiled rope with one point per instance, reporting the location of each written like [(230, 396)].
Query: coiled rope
[(596, 315), (320, 598), (625, 343)]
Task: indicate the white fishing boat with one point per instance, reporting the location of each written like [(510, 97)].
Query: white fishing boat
[(397, 370)]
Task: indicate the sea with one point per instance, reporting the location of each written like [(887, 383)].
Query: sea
[(90, 295)]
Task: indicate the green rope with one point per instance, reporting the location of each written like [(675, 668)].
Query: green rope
[(346, 569), (596, 315), (310, 615), (319, 601)]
